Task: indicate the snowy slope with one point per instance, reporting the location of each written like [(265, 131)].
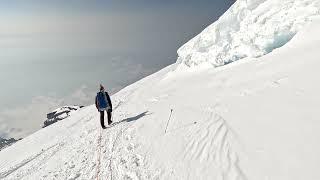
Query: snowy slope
[(253, 119), (250, 28)]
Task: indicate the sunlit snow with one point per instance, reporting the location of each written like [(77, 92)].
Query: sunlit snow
[(254, 119), (250, 28)]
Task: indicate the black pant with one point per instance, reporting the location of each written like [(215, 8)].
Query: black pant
[(102, 118)]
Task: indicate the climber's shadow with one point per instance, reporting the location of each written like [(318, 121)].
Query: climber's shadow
[(135, 118)]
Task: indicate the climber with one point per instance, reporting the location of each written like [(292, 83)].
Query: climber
[(103, 103)]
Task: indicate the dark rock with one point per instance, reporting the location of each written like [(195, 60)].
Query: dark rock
[(7, 142), (60, 114)]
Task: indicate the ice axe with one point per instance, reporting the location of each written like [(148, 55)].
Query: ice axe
[(168, 121)]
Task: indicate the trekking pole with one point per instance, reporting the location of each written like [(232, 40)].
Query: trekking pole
[(168, 121)]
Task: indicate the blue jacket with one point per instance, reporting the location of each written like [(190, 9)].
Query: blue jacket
[(108, 99)]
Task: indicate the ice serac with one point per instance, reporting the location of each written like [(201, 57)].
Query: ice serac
[(250, 28)]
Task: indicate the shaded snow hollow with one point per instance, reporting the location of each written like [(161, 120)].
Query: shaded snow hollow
[(250, 28)]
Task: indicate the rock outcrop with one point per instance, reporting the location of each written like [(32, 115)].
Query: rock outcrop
[(6, 142), (60, 114)]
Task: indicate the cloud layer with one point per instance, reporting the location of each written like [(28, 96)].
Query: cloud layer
[(21, 121)]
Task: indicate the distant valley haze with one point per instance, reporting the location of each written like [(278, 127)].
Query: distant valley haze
[(55, 53)]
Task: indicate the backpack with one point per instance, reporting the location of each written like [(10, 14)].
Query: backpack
[(102, 101)]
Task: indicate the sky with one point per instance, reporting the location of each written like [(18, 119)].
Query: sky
[(55, 53)]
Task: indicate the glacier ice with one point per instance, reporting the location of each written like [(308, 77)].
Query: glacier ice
[(250, 28)]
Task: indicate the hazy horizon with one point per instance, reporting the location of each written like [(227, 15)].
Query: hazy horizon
[(55, 53)]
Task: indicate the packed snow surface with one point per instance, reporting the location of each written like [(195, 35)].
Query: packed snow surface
[(257, 119), (250, 28)]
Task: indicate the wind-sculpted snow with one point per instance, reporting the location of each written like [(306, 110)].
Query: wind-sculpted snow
[(250, 28)]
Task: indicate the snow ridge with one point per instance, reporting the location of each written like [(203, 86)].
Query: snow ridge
[(250, 28)]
